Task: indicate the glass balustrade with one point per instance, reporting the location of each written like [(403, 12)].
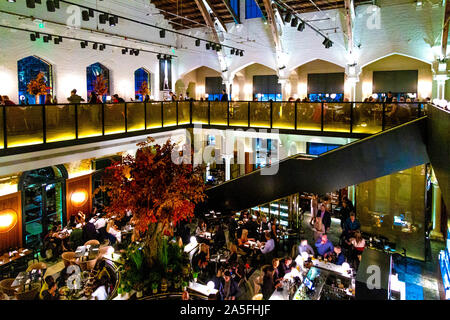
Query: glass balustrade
[(135, 116), (37, 124), (60, 122), (239, 113)]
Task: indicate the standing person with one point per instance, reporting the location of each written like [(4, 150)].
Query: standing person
[(326, 217), (388, 98), (147, 98), (268, 285), (74, 98), (230, 289), (344, 213), (93, 99), (224, 96), (48, 99), (232, 227), (319, 229), (314, 208)]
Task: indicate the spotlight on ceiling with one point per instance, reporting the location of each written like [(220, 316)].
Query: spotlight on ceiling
[(83, 45), (136, 52), (159, 56), (131, 52), (232, 51), (56, 3), (213, 46), (294, 22), (45, 39), (56, 40), (38, 36), (91, 13), (31, 4), (95, 46), (242, 53), (102, 18), (60, 39), (102, 47), (112, 21), (237, 52), (32, 37), (49, 37), (288, 17), (50, 6), (218, 47), (208, 46), (85, 15), (162, 33), (124, 50), (301, 26), (327, 43), (197, 43)]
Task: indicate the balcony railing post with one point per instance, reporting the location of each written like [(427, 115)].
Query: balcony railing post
[(126, 116), (228, 113), (383, 118), (321, 117), (5, 138), (145, 115), (351, 116), (190, 111), (44, 124), (103, 119), (176, 109), (162, 114), (248, 114), (209, 112), (76, 121), (295, 116), (271, 114)]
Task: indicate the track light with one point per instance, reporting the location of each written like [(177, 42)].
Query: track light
[(49, 37), (56, 40), (102, 47), (46, 39), (288, 17), (301, 26), (213, 46), (112, 21), (131, 52), (95, 46), (197, 43), (162, 33), (32, 37), (218, 47), (56, 3), (208, 46), (50, 6), (85, 15), (37, 1), (327, 43), (60, 39), (232, 51), (237, 52), (83, 45), (294, 22), (102, 18), (136, 52), (158, 56), (242, 53), (31, 4), (91, 13), (38, 36), (124, 50)]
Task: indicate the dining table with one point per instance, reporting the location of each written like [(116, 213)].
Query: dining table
[(88, 252), (11, 256)]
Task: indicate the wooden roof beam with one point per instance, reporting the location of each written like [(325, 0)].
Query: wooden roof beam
[(231, 11)]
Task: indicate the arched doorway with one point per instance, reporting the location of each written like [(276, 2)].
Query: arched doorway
[(97, 78), (43, 202), (142, 84), (27, 70)]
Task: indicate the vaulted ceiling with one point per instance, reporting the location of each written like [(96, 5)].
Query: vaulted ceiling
[(184, 14)]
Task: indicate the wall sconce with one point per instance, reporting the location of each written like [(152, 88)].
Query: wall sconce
[(8, 220), (79, 198)]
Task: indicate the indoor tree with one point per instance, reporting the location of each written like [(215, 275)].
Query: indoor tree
[(158, 191)]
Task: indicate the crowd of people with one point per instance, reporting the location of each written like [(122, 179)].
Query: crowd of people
[(254, 242)]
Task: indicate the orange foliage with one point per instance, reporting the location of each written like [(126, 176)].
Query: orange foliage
[(38, 86), (101, 85), (153, 187)]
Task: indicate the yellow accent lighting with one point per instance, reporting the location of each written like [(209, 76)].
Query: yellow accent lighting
[(8, 220)]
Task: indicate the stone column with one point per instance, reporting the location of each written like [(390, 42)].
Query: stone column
[(227, 158), (352, 73), (285, 88), (436, 213)]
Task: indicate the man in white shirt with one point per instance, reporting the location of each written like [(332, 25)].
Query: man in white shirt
[(100, 223), (269, 245)]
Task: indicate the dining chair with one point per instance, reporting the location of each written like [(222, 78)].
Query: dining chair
[(7, 288)]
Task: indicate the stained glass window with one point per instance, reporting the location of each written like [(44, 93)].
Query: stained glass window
[(92, 72), (140, 76), (27, 69)]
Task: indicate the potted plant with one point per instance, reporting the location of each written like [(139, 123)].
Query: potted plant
[(139, 290), (38, 86)]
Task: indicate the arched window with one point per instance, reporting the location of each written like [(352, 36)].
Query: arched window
[(27, 70), (141, 82), (97, 78)]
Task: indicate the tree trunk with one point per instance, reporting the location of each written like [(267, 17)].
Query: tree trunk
[(153, 240)]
